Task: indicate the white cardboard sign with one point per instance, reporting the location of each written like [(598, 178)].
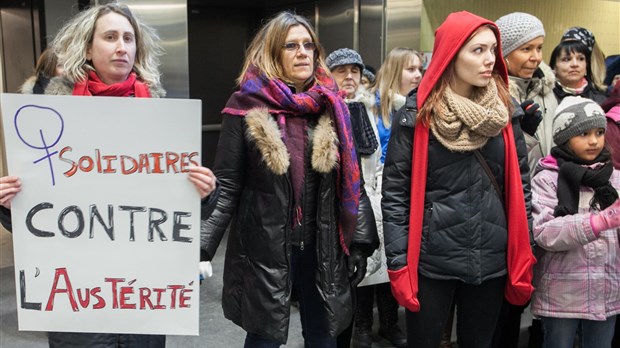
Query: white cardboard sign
[(106, 229)]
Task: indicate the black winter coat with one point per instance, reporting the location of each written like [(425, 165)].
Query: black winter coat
[(464, 233), (589, 92), (256, 201)]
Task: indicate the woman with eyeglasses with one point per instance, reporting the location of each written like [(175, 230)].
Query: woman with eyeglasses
[(291, 192)]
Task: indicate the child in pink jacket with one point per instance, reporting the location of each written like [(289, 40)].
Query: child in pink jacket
[(576, 218)]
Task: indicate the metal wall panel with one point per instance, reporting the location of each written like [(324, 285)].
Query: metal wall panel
[(402, 27), (336, 21), (371, 34), (169, 18), (20, 44)]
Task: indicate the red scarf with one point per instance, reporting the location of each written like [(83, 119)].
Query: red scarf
[(456, 30), (93, 86)]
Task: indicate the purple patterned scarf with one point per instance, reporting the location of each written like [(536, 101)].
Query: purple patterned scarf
[(258, 91)]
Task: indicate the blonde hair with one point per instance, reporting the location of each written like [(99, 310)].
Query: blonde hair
[(265, 50), (598, 68), (388, 79), (72, 42)]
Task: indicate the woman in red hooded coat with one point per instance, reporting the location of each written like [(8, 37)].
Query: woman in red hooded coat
[(456, 197)]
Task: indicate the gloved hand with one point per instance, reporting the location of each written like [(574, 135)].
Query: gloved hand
[(205, 270), (607, 219), (357, 266), (532, 118)]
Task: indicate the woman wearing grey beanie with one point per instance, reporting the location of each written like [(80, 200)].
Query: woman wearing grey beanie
[(531, 80), (531, 83)]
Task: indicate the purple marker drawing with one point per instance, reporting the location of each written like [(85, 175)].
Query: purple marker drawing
[(46, 144)]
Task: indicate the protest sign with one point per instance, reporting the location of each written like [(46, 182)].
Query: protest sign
[(106, 229)]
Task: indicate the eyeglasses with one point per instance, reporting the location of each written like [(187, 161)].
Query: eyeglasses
[(295, 46)]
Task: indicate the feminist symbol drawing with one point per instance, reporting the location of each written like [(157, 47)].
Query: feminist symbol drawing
[(50, 125)]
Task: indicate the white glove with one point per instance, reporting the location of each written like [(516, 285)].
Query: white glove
[(205, 270)]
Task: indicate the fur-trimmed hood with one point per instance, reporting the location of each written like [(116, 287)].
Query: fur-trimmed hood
[(61, 85), (542, 83), (263, 129)]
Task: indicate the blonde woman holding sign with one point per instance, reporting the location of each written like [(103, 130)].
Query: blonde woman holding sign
[(106, 51)]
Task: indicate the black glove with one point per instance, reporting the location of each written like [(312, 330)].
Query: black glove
[(357, 266), (532, 118)]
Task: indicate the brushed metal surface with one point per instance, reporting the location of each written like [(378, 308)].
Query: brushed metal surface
[(169, 18)]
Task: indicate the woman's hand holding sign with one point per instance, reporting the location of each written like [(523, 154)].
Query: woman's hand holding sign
[(9, 187), (204, 180)]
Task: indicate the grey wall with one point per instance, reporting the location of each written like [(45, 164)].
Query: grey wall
[(57, 12)]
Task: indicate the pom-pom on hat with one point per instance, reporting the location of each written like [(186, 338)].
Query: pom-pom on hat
[(576, 115), (518, 28), (344, 56)]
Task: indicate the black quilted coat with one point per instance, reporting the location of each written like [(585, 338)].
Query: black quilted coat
[(256, 201), (464, 233)]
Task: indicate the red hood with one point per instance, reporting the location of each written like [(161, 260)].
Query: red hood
[(449, 38)]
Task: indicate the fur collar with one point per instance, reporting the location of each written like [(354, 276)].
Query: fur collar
[(263, 129), (542, 83), (363, 96), (28, 86), (61, 85), (399, 101)]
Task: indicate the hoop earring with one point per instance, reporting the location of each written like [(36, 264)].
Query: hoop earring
[(507, 64)]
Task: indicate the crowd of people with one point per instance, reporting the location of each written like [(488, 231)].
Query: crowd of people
[(477, 186)]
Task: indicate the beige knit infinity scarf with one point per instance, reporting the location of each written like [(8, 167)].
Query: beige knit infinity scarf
[(462, 124)]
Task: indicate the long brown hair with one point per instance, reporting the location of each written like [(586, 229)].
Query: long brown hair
[(265, 50), (434, 97)]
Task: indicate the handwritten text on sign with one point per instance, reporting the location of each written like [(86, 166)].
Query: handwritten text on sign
[(106, 228)]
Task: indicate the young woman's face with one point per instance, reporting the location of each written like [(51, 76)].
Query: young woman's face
[(588, 145), (411, 76), (297, 62), (474, 63), (570, 68), (348, 78), (523, 61), (113, 50)]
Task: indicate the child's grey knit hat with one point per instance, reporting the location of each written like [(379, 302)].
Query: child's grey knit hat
[(574, 116)]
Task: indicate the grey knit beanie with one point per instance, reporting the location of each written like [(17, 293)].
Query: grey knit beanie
[(344, 56), (518, 28), (576, 115)]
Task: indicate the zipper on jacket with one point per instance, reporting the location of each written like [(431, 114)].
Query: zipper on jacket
[(298, 217), (287, 235), (330, 247)]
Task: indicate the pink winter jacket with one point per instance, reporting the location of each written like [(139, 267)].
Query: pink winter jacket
[(577, 274), (612, 135)]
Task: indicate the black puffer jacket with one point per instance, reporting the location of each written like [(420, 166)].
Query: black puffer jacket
[(464, 234), (256, 200)]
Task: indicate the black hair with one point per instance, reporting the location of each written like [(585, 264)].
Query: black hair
[(572, 46)]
